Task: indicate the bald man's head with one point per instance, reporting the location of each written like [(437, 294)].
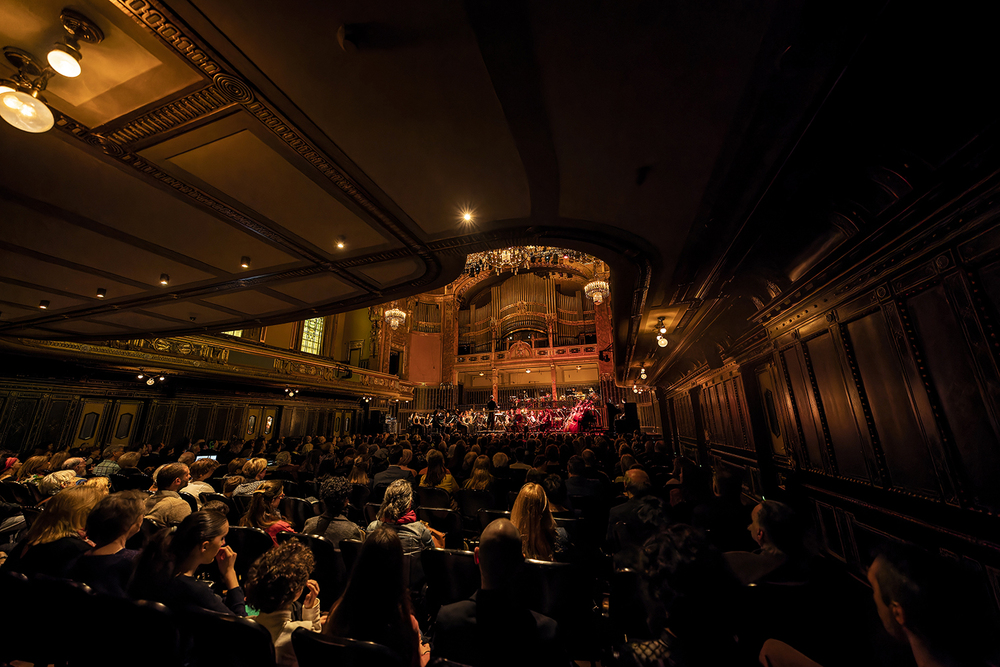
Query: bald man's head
[(636, 483), (499, 554)]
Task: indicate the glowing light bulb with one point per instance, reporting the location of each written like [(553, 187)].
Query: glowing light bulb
[(64, 61), (662, 342)]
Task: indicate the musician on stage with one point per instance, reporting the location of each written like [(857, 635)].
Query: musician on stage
[(491, 408)]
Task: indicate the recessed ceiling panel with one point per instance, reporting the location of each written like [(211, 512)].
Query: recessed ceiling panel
[(185, 311), (245, 168), (50, 236), (137, 321), (97, 191), (128, 70), (32, 297), (249, 302), (44, 274), (388, 273), (414, 106), (317, 289)]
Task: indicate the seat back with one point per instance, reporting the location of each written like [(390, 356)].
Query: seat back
[(486, 517), (224, 640), (25, 602), (30, 514), (349, 550), (378, 492), (249, 544), (138, 482), (431, 496), (447, 521), (330, 572), (18, 493), (231, 514), (628, 605), (313, 649), (242, 503), (297, 511), (451, 575), (470, 502), (145, 534), (371, 512), (142, 628), (189, 499), (359, 495)]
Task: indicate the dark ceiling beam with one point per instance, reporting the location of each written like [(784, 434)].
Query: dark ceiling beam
[(503, 31)]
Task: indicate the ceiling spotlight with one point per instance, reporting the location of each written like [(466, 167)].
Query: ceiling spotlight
[(662, 342), (578, 368), (467, 217), (65, 59), (663, 330), (161, 378), (65, 56), (26, 112), (101, 292), (341, 242), (140, 376), (151, 382), (164, 279), (642, 375), (527, 370), (245, 262), (43, 304), (481, 374), (659, 336)]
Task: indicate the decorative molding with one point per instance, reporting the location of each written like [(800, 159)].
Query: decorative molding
[(166, 117)]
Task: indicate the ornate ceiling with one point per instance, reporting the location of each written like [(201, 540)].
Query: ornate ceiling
[(198, 135)]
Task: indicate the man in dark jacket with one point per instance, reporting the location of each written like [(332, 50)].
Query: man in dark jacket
[(495, 627), (394, 471)]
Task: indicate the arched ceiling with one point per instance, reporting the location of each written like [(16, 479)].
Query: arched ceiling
[(200, 133)]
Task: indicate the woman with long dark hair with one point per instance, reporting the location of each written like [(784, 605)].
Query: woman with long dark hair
[(437, 475), (167, 566), (263, 511), (375, 607)]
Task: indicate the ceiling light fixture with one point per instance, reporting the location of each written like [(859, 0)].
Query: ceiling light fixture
[(101, 292), (21, 101), (642, 375), (150, 382), (65, 56), (660, 329), (164, 279), (245, 262), (43, 304), (341, 242), (662, 342), (140, 376), (394, 317)]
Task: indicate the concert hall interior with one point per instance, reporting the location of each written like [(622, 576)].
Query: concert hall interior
[(698, 301)]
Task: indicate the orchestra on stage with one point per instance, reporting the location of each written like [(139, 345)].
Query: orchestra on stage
[(524, 415)]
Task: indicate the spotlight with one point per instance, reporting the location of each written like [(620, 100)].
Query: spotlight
[(161, 378), (150, 381), (341, 242), (663, 330), (662, 342), (65, 59), (527, 370), (164, 279), (140, 376), (245, 262), (43, 304), (481, 374), (101, 292), (26, 112), (642, 376)]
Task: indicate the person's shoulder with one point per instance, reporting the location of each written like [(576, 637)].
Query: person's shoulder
[(457, 614), (548, 628)]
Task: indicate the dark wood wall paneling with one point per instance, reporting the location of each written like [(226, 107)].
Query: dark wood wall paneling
[(887, 403), (32, 414)]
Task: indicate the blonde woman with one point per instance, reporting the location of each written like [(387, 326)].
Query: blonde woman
[(32, 470), (263, 511), (541, 539), (481, 479), (55, 540), (254, 471)]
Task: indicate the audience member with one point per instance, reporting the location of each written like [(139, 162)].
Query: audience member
[(332, 524), (107, 568), (230, 484), (395, 470), (375, 606), (494, 627), (396, 514), (55, 482), (541, 539), (263, 510), (724, 516), (55, 539), (697, 604), (201, 470), (637, 486), (254, 471), (437, 475), (577, 483), (275, 581), (77, 464), (480, 479), (782, 555), (166, 507), (109, 464), (128, 464), (166, 569)]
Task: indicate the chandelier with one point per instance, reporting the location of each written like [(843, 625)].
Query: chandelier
[(597, 290), (394, 317), (522, 258)]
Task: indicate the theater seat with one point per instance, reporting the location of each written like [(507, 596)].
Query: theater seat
[(330, 572), (224, 640), (249, 544), (313, 649), (451, 575), (447, 521), (431, 496)]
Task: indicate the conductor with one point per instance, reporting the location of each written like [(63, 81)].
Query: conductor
[(491, 409)]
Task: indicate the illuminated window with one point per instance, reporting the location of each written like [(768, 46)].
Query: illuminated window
[(312, 335), (238, 333)]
